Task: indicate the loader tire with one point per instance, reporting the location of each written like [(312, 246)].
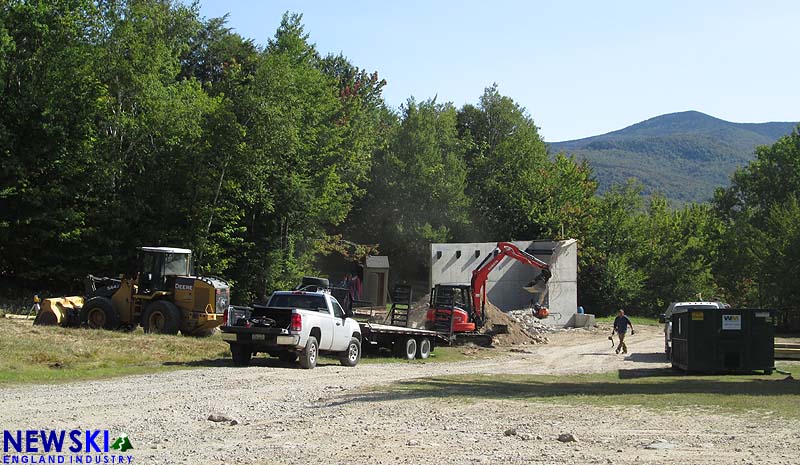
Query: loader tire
[(314, 281), (99, 313), (161, 317)]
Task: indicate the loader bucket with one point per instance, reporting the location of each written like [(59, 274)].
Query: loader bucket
[(56, 311)]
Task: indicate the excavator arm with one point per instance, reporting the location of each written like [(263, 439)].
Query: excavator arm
[(481, 274)]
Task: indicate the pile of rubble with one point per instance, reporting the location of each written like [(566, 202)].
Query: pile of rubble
[(507, 331), (530, 323)]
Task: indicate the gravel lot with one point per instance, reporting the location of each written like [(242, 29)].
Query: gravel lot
[(330, 416)]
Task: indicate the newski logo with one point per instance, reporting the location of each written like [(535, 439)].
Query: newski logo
[(93, 446)]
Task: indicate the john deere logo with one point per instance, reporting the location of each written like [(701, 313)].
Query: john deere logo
[(122, 443)]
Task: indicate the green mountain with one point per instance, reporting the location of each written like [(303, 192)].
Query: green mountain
[(685, 155)]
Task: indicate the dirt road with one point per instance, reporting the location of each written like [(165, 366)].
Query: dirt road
[(331, 415)]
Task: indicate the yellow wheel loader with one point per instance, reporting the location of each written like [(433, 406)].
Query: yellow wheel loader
[(163, 297)]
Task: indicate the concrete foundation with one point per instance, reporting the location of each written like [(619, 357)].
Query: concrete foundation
[(454, 262)]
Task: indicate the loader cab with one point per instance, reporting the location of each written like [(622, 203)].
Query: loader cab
[(160, 265)]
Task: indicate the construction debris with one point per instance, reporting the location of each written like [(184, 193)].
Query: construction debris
[(526, 319), (513, 332)]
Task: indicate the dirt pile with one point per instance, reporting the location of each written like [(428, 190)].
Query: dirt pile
[(514, 333)]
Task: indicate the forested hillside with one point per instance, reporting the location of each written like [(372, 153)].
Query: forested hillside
[(684, 156), (141, 123)]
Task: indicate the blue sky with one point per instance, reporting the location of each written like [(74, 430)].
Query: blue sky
[(580, 68)]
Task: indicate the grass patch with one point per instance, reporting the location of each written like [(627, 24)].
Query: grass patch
[(660, 389), (636, 320), (46, 354)]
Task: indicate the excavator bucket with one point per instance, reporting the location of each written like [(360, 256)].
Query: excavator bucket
[(538, 288), (59, 311)]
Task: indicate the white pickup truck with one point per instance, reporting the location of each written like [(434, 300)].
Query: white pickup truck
[(292, 324)]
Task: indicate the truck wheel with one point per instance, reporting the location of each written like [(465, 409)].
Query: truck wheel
[(352, 355), (99, 313), (161, 317), (287, 357), (424, 348), (241, 355), (308, 357), (410, 351)]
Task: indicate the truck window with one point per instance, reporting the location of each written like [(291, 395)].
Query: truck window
[(315, 303), (338, 312)]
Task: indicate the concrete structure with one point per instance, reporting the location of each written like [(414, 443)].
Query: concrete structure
[(376, 280), (453, 263)]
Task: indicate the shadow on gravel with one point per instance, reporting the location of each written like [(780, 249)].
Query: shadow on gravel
[(655, 357), (221, 362), (633, 373), (254, 362), (549, 387)]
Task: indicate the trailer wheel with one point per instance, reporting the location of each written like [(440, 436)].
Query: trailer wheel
[(352, 355), (410, 351), (308, 357), (241, 355), (161, 317), (99, 313), (424, 348), (287, 356)]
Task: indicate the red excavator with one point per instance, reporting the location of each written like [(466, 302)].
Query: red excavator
[(460, 308)]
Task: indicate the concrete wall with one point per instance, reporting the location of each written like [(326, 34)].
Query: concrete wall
[(506, 281)]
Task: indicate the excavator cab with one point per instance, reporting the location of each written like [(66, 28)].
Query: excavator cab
[(450, 309)]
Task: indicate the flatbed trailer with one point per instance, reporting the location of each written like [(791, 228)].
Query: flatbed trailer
[(408, 343)]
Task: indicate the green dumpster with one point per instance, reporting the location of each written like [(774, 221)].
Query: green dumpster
[(723, 340)]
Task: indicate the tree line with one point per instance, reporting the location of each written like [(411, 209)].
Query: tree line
[(133, 123)]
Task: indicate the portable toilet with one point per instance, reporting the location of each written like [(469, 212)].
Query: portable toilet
[(376, 280)]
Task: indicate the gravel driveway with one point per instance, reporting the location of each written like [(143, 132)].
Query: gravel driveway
[(328, 415)]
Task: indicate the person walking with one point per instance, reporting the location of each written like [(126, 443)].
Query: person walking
[(621, 323)]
